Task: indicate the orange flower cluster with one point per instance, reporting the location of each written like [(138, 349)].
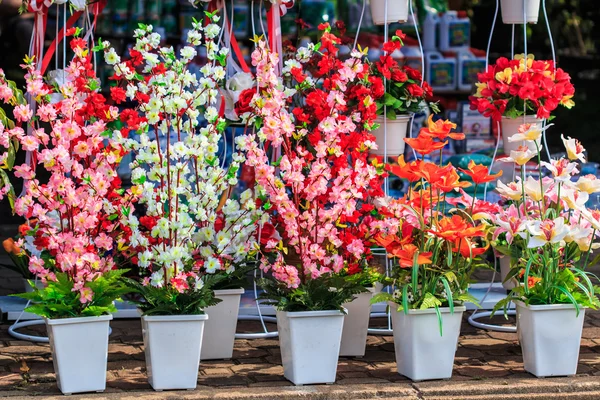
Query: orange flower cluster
[(422, 210)]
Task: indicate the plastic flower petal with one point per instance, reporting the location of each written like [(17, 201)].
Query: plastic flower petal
[(543, 232), (574, 149), (406, 256), (511, 191), (589, 184), (529, 132), (561, 169), (440, 129), (424, 144), (521, 156), (480, 173)]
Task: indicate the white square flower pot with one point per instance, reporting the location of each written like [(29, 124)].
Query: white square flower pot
[(310, 345), (172, 346), (390, 137), (510, 127), (79, 349), (356, 325), (219, 331), (397, 11), (550, 337), (421, 353), (512, 11)]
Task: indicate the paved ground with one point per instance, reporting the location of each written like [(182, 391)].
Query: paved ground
[(488, 365)]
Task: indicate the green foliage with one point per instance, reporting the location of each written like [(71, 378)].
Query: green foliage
[(328, 292), (58, 300), (544, 279), (168, 301)]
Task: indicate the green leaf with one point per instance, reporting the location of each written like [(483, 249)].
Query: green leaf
[(389, 100), (569, 296), (439, 317), (415, 274), (526, 276), (430, 301), (448, 294), (405, 298)]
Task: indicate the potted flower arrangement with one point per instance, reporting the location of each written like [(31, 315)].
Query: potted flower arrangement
[(403, 95), (317, 184), (70, 217), (550, 235), (191, 235), (515, 12), (434, 251), (519, 91), (389, 11)]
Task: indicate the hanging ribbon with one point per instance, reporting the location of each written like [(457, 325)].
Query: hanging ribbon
[(95, 8), (277, 10), (40, 9)]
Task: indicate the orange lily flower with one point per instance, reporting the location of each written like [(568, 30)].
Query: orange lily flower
[(405, 170), (424, 144), (450, 181), (391, 243), (430, 172), (467, 248), (406, 256), (441, 129), (423, 198), (479, 173), (451, 228)]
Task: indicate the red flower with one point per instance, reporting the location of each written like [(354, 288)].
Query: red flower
[(118, 94), (298, 75), (243, 103), (412, 73), (390, 47), (415, 90), (399, 76)]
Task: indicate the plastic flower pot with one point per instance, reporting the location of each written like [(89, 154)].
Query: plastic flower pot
[(172, 345), (79, 349), (510, 127), (356, 325), (310, 345), (504, 270), (512, 11), (550, 337), (421, 352), (394, 138), (219, 331), (397, 11)]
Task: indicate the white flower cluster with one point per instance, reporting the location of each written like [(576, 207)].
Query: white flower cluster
[(176, 171)]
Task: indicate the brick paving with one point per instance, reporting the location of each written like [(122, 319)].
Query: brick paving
[(26, 367), (488, 365)]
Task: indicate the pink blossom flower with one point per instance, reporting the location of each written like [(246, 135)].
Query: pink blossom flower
[(22, 113)]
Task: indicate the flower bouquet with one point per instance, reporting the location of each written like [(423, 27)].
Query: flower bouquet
[(190, 235), (317, 185), (400, 94), (550, 234), (438, 243), (519, 91), (71, 220)]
